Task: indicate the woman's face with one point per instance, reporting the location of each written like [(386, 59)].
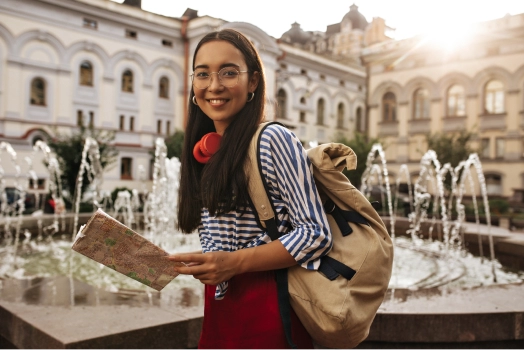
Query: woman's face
[(218, 102)]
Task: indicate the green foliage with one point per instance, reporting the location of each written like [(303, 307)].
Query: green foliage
[(451, 147), (361, 145), (114, 193), (174, 144), (68, 150)]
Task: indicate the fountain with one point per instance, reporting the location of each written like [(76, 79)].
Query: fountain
[(439, 293)]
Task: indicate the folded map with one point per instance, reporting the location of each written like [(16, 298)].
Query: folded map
[(116, 246)]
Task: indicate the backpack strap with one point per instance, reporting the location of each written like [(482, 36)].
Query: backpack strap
[(265, 215), (263, 207)]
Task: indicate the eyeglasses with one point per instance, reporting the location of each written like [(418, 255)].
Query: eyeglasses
[(227, 76)]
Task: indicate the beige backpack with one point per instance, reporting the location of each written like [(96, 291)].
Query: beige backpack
[(338, 303)]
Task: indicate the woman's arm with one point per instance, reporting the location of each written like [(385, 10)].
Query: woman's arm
[(216, 267)]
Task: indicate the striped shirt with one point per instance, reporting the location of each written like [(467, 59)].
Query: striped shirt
[(303, 223)]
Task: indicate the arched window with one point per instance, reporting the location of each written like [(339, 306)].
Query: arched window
[(86, 74), (303, 100), (360, 122), (38, 92), (127, 81), (389, 107), (421, 104), (494, 97), (163, 88), (340, 115), (456, 101), (281, 104), (320, 111)]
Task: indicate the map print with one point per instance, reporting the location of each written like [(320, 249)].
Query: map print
[(116, 246)]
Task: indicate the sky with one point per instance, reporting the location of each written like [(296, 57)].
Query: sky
[(407, 17)]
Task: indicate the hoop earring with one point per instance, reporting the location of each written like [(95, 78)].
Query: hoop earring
[(194, 100), (249, 99)]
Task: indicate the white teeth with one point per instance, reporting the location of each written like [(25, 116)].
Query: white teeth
[(217, 101)]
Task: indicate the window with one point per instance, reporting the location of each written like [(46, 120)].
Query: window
[(91, 119), (320, 111), (281, 104), (302, 116), (131, 34), (360, 123), (167, 43), (303, 100), (456, 101), (500, 147), (322, 77), (79, 118), (122, 121), (126, 166), (484, 148), (127, 81), (303, 72), (39, 184), (421, 104), (283, 66), (389, 107), (163, 88), (38, 92), (340, 115), (90, 23), (132, 124), (168, 128), (494, 97), (158, 126), (493, 184), (342, 83), (86, 74)]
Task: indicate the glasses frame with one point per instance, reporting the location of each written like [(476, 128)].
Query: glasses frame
[(219, 79)]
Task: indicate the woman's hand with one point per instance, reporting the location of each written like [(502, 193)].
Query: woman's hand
[(210, 268), (217, 267)]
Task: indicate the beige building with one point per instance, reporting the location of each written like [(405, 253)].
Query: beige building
[(119, 68), (421, 85)]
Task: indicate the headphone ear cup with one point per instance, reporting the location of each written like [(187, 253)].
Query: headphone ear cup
[(197, 153), (210, 143)]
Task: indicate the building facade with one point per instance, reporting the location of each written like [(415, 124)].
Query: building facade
[(116, 67), (421, 86), (119, 68)]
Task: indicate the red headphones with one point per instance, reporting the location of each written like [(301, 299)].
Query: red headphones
[(206, 147)]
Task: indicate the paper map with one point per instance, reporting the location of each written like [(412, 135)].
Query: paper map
[(116, 246)]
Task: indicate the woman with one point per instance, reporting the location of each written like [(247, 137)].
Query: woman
[(237, 267)]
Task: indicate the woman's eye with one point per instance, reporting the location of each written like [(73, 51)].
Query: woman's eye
[(229, 73), (202, 75)]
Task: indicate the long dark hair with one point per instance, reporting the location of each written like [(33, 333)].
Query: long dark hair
[(221, 184)]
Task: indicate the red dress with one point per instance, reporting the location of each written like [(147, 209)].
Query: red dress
[(248, 316)]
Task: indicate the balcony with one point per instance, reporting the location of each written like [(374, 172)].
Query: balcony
[(492, 122), (388, 128), (453, 123), (419, 126)]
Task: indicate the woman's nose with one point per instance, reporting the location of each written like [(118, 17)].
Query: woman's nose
[(215, 83)]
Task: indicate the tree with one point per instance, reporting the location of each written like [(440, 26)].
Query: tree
[(174, 144), (68, 150), (361, 145), (451, 147)]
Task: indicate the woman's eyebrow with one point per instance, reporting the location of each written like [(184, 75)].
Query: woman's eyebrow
[(221, 66)]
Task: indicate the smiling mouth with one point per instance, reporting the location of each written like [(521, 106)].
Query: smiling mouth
[(217, 102)]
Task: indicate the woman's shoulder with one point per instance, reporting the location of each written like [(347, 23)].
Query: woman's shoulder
[(276, 131)]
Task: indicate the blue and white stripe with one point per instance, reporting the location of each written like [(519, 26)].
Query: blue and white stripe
[(288, 173)]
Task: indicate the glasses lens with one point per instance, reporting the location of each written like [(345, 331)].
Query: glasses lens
[(229, 76), (201, 79)]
